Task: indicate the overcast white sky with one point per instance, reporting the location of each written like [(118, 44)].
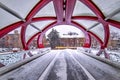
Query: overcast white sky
[(64, 29)]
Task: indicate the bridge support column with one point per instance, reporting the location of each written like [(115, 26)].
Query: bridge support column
[(103, 51), (1, 65), (40, 46)]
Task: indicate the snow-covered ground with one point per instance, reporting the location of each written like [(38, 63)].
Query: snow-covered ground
[(114, 55), (10, 58)]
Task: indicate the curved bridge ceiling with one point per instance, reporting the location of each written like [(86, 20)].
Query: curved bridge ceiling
[(34, 17)]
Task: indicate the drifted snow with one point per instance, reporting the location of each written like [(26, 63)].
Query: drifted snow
[(10, 58), (114, 55)]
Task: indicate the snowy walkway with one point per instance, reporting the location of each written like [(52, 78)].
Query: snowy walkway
[(66, 65)]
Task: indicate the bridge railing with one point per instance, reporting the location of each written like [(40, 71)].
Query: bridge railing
[(92, 53)]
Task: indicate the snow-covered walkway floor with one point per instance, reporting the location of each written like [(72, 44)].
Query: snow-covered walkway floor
[(68, 65)]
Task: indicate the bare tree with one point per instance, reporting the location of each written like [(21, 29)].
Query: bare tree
[(114, 35)]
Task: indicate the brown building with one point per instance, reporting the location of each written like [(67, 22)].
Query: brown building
[(71, 42), (11, 40), (94, 43), (33, 44), (114, 44)]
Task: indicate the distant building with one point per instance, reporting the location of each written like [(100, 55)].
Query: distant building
[(71, 42), (11, 40), (94, 43), (45, 42), (114, 44)]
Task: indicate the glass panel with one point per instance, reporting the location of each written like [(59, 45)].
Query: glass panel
[(99, 31), (48, 10), (81, 9), (107, 6), (22, 7), (6, 19), (116, 17), (42, 24), (86, 23), (30, 31)]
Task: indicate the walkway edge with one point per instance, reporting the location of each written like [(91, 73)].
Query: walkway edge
[(114, 64)]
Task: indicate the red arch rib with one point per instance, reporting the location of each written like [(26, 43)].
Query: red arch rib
[(92, 18), (23, 39), (114, 23), (97, 38), (58, 5), (9, 28), (70, 4), (87, 37), (40, 5), (29, 41), (94, 8)]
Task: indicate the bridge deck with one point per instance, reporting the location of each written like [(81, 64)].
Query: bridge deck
[(64, 65)]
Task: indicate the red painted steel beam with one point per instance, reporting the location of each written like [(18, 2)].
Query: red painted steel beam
[(55, 23), (29, 19), (49, 26), (87, 36), (40, 37), (25, 45), (36, 9), (87, 40), (92, 18), (37, 19), (107, 34), (101, 17), (23, 39), (58, 5), (70, 4), (40, 41), (30, 40), (114, 23), (1, 65), (9, 28), (96, 37), (78, 26), (94, 8)]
